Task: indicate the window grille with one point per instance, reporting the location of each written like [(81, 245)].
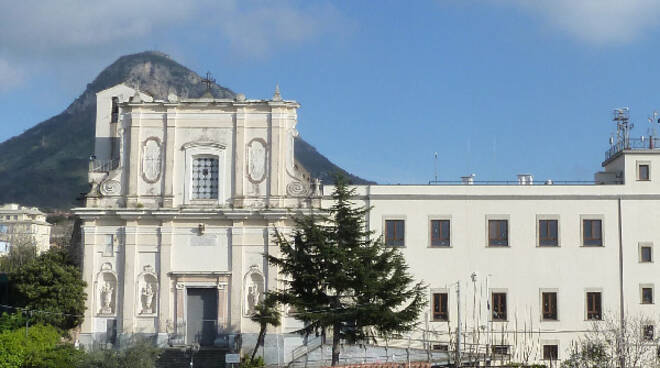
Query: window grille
[(205, 178)]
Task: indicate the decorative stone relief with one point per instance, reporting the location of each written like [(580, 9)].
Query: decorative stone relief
[(151, 160), (253, 289), (180, 285), (297, 189), (257, 160), (110, 187)]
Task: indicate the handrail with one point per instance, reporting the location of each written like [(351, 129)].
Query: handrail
[(302, 350), (103, 165)]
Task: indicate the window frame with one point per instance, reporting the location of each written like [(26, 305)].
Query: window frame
[(642, 289), (588, 312), (646, 336), (498, 219), (505, 348), (583, 223), (540, 218), (556, 352), (493, 313), (638, 167), (431, 220), (642, 246), (440, 293), (387, 220), (548, 292), (195, 150)]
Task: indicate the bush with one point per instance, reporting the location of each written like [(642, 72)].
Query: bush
[(140, 354), (246, 362), (41, 348)]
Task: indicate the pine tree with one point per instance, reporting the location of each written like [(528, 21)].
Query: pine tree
[(340, 277), (265, 313)]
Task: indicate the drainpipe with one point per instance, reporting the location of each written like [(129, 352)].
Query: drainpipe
[(622, 327)]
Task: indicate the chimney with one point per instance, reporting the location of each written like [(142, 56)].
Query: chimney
[(525, 179)]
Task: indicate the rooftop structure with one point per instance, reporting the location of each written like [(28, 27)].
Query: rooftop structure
[(21, 225)]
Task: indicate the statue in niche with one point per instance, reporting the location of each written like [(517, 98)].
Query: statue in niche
[(254, 290), (106, 298), (147, 299)]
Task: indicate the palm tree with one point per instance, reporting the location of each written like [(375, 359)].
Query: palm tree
[(265, 313)]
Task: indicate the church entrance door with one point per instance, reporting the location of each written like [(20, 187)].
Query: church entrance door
[(202, 316)]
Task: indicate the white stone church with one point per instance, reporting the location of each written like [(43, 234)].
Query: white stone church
[(187, 193)]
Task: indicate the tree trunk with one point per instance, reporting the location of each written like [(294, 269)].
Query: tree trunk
[(335, 343), (262, 333)]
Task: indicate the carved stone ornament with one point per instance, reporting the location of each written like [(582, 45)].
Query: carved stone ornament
[(110, 187), (297, 189), (180, 285), (106, 298), (222, 286), (257, 160), (151, 160), (253, 289)]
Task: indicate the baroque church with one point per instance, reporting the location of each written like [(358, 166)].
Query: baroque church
[(186, 195)]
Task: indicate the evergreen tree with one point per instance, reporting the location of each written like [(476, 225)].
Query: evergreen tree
[(339, 276), (265, 313)]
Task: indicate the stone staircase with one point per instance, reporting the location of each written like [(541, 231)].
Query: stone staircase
[(204, 358)]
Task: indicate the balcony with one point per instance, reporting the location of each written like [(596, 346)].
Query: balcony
[(102, 165)]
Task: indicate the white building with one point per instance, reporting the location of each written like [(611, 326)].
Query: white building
[(185, 196), (20, 225), (187, 192)]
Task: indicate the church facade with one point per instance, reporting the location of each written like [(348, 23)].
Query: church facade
[(186, 195)]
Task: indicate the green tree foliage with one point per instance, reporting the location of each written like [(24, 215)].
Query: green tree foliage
[(19, 255), (265, 313), (141, 353), (41, 348), (341, 277), (53, 288)]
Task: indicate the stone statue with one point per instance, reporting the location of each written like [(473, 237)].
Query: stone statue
[(106, 298), (147, 299), (251, 298)]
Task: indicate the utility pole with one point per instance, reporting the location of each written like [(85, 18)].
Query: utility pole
[(458, 330)]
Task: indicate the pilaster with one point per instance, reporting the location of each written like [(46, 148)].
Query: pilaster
[(239, 156), (89, 268), (166, 288), (134, 161), (236, 289), (170, 144), (130, 257)]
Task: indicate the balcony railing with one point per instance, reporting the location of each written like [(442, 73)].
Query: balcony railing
[(103, 165), (643, 143)]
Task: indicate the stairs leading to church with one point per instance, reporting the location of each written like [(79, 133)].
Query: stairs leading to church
[(204, 358)]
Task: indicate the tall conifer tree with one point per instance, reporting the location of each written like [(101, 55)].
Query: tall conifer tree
[(339, 277)]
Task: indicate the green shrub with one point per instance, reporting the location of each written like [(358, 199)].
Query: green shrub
[(246, 362)]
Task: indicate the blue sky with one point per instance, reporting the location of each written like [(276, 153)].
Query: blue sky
[(496, 87)]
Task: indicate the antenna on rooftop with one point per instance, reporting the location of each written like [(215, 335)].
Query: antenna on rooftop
[(435, 165), (653, 120), (623, 126)]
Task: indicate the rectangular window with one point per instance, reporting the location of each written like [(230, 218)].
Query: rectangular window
[(4, 247), (594, 308), (501, 349), (592, 234), (394, 233), (648, 332), (550, 352), (647, 295), (548, 233), (549, 305), (643, 172), (440, 310), (205, 178), (499, 307), (115, 110), (646, 254), (4, 229), (443, 348), (498, 233), (440, 233)]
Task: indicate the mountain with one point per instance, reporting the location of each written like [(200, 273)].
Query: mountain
[(46, 166)]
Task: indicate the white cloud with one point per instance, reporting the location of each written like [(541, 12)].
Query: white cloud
[(598, 22), (57, 34)]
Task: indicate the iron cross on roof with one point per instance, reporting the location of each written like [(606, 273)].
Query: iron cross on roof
[(209, 80)]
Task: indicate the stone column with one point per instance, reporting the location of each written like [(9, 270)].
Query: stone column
[(276, 158), (239, 156), (89, 269), (235, 291), (165, 314), (180, 319), (223, 321), (134, 160), (168, 176), (128, 279)]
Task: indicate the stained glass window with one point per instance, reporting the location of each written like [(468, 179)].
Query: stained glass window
[(205, 178)]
